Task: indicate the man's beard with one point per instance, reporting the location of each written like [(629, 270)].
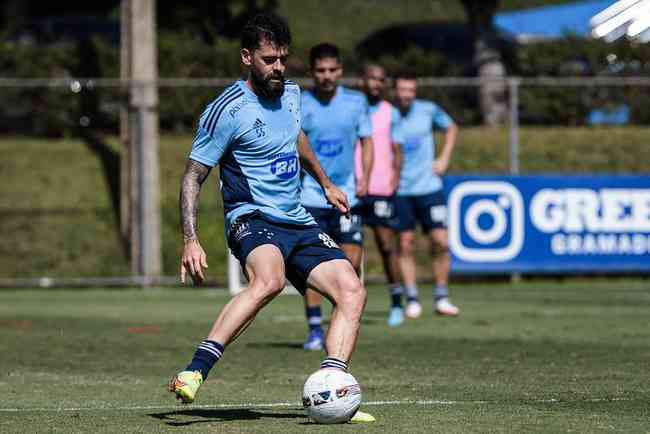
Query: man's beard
[(265, 88)]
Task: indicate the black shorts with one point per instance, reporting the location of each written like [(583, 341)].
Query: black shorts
[(342, 229), (302, 247), (378, 211), (430, 210)]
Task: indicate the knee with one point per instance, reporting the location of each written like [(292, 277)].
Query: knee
[(266, 288), (385, 248), (440, 245), (406, 245), (353, 298)]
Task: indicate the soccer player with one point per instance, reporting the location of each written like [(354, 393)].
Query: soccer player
[(253, 132), (420, 197), (377, 205), (334, 118)]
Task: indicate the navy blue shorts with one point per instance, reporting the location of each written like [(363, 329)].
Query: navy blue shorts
[(342, 229), (430, 210), (378, 211), (302, 247)]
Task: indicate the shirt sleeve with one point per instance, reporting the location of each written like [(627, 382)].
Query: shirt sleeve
[(364, 128), (441, 119), (209, 148)]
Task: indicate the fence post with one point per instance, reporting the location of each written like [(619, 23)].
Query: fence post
[(513, 85)]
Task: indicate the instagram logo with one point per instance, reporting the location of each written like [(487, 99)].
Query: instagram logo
[(486, 221)]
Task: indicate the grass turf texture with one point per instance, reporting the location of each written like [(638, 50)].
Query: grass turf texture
[(536, 357), (57, 219)]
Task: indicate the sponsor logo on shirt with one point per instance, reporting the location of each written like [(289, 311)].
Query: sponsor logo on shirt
[(285, 166), (411, 144), (329, 147)]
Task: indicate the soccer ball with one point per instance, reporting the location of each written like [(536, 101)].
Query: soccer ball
[(331, 396)]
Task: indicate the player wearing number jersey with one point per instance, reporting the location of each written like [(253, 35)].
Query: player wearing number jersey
[(334, 118), (253, 132), (420, 197)]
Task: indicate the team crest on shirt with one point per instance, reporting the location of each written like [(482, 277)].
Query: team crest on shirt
[(285, 166)]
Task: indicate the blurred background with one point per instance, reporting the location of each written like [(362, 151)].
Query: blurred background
[(100, 100)]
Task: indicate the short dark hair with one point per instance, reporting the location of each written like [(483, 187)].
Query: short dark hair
[(404, 75), (265, 26), (323, 51)]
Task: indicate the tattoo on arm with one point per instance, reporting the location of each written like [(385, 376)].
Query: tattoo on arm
[(195, 174)]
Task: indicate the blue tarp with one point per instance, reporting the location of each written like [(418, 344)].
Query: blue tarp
[(551, 21)]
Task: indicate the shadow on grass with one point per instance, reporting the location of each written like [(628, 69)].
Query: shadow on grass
[(194, 416), (292, 345)]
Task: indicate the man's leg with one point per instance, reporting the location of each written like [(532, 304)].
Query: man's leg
[(265, 271), (338, 281), (316, 338), (441, 265), (385, 240), (407, 264), (354, 252)]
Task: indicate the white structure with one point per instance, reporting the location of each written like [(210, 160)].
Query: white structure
[(625, 18)]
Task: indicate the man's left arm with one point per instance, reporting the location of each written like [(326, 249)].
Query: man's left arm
[(444, 121), (310, 164), (441, 163)]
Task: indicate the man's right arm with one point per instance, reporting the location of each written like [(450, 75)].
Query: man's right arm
[(194, 258)]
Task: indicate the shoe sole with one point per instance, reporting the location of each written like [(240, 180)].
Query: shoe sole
[(179, 392)]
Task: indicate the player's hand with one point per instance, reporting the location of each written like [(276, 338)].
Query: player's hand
[(362, 187), (193, 261), (337, 198), (440, 166)]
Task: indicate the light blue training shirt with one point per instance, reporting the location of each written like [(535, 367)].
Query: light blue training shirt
[(333, 129), (254, 141), (414, 132)]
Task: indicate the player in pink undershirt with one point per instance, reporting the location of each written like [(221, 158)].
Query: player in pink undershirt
[(377, 206)]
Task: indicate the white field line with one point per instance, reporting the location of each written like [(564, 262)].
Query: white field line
[(253, 405)]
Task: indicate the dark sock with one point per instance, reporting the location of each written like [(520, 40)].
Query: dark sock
[(207, 354), (314, 318), (396, 295), (331, 362)]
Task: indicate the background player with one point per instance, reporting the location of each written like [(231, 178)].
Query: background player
[(334, 118), (377, 205), (253, 132), (420, 196)]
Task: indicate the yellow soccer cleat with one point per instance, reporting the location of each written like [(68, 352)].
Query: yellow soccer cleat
[(185, 385), (361, 417)]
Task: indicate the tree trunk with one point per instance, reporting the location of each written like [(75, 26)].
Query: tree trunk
[(487, 59)]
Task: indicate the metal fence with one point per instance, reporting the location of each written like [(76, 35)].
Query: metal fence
[(59, 200)]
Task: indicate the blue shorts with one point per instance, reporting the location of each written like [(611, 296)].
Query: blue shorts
[(428, 209), (302, 247), (342, 229), (378, 211)]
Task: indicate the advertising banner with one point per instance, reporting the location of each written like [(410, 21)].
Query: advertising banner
[(549, 223)]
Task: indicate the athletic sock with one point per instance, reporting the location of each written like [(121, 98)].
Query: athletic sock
[(440, 292), (314, 318), (396, 295), (207, 354), (411, 293), (331, 362)]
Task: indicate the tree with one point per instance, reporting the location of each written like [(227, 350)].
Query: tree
[(487, 59)]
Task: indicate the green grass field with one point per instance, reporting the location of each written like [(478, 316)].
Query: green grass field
[(536, 357)]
